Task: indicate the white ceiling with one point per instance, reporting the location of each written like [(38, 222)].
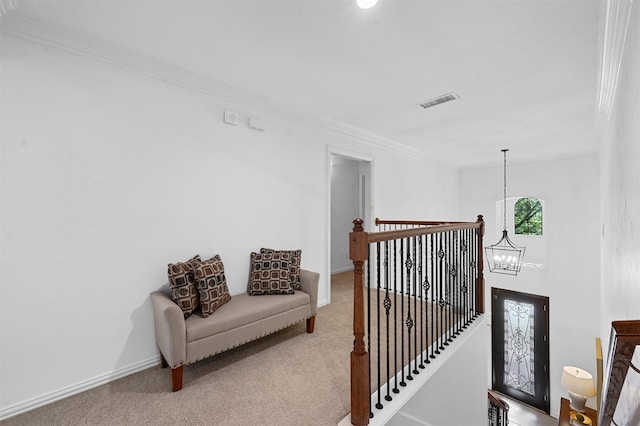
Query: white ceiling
[(526, 71)]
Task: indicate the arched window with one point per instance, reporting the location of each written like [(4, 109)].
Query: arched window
[(527, 215)]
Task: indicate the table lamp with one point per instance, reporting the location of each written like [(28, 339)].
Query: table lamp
[(579, 383)]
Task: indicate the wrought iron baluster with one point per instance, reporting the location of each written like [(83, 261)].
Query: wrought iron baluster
[(461, 272), (422, 271), (447, 294), (440, 293), (432, 307), (379, 403), (472, 276), (472, 280), (395, 308), (454, 284), (369, 315), (402, 260), (387, 307), (465, 284), (414, 288), (409, 264), (461, 281), (426, 287)]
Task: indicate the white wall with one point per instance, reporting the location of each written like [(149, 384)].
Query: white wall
[(344, 209), (440, 403), (570, 278), (404, 182), (107, 175), (620, 160)]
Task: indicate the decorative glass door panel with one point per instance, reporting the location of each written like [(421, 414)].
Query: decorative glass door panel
[(520, 346)]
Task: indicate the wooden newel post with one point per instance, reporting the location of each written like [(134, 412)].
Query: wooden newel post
[(480, 279), (360, 397)]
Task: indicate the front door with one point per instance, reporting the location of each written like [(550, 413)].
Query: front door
[(520, 346)]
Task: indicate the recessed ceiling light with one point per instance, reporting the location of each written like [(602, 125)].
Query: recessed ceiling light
[(366, 4)]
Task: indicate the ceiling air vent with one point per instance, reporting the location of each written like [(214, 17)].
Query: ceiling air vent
[(439, 100)]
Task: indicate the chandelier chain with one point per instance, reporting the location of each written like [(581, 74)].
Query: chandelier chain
[(504, 198)]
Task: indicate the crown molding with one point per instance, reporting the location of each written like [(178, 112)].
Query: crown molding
[(615, 26), (26, 25)]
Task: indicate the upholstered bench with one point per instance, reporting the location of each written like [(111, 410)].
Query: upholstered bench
[(240, 320)]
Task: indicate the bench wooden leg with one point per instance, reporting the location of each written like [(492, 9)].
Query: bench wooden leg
[(176, 374), (176, 378), (310, 323)]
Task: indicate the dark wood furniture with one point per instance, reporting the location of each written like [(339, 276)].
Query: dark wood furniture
[(625, 338), (563, 418)]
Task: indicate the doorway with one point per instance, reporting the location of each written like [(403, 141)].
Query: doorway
[(350, 197), (520, 346)]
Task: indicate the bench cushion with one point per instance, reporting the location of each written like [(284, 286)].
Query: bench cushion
[(242, 309)]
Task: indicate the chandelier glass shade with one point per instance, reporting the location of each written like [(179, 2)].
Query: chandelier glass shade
[(504, 257)]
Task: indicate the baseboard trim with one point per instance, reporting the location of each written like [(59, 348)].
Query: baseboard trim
[(339, 270), (85, 385)]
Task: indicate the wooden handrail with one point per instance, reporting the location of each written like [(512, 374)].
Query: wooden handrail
[(503, 405), (375, 237), (414, 222)]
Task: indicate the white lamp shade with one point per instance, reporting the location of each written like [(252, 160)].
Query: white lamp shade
[(578, 381)]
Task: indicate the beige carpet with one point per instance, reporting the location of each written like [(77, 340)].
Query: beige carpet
[(288, 378)]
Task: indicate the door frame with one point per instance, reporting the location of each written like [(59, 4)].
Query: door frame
[(367, 194), (542, 400)]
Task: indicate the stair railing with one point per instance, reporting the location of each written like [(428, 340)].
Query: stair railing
[(417, 286), (498, 411)]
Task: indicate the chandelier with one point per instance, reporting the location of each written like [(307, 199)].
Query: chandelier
[(504, 257)]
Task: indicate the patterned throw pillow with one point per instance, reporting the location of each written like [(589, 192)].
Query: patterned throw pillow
[(270, 274), (212, 285), (183, 287), (294, 266)]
